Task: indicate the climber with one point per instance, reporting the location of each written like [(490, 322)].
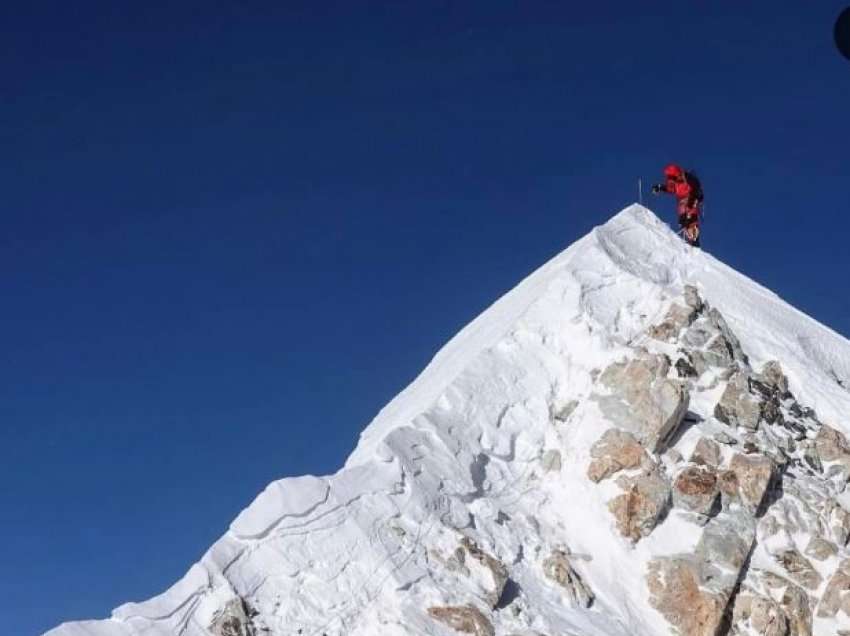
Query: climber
[(685, 186)]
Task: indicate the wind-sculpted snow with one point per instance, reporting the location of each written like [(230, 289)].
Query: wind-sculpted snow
[(608, 450)]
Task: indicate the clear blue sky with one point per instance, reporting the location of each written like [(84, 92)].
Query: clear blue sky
[(232, 231)]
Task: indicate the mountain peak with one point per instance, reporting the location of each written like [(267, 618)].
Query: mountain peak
[(635, 439)]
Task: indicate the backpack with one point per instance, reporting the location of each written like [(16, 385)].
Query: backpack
[(696, 186)]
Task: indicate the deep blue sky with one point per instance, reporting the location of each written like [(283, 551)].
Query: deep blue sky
[(232, 231)]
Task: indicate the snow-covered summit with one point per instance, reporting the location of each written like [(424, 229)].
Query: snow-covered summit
[(633, 431)]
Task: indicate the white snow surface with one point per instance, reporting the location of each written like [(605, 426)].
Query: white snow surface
[(458, 453)]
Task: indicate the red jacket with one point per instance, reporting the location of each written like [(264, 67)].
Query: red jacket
[(688, 193)]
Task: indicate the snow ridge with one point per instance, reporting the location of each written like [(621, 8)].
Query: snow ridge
[(466, 507)]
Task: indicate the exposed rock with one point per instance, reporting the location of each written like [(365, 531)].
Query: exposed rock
[(677, 318), (643, 401), (736, 407), (770, 604), (562, 414), (723, 549), (675, 592), (726, 346), (466, 619), (772, 375), (820, 549), (642, 506), (839, 521), (797, 607), (831, 445), (497, 569), (706, 453), (685, 368), (762, 615), (799, 568), (695, 489), (616, 451), (836, 591), (725, 438), (551, 461), (752, 476), (693, 299), (557, 568), (233, 620)]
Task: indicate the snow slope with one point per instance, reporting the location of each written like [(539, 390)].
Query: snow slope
[(490, 444)]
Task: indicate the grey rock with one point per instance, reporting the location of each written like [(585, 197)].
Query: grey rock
[(725, 438), (643, 401), (557, 568), (233, 620), (820, 549), (678, 318), (737, 407), (799, 568), (551, 461), (836, 591), (706, 453), (562, 414)]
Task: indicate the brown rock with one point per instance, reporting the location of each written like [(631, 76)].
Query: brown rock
[(497, 569), (615, 451), (695, 489), (466, 619), (676, 594), (643, 504)]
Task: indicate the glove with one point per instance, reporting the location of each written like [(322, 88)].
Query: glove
[(657, 188)]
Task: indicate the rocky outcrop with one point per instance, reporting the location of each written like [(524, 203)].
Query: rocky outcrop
[(557, 568), (820, 549), (643, 504), (675, 592), (761, 614), (616, 451), (642, 400), (837, 593), (764, 489), (747, 480), (678, 317), (737, 407), (498, 571), (234, 619), (695, 489), (706, 453), (799, 568), (466, 619)]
